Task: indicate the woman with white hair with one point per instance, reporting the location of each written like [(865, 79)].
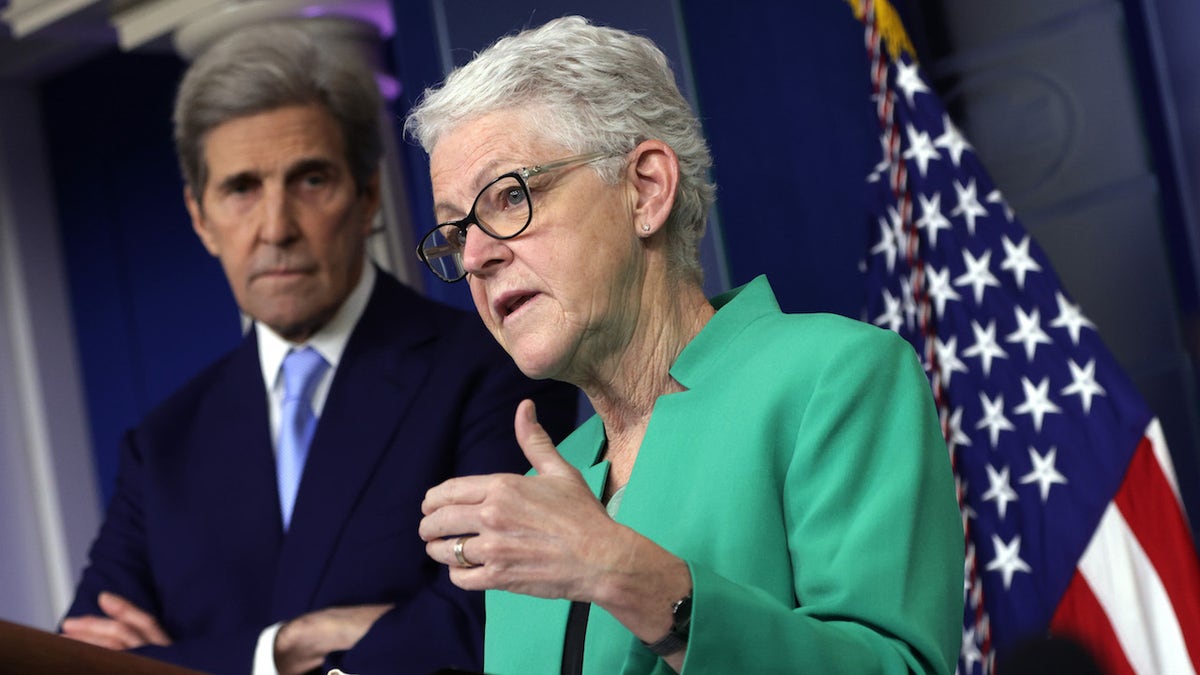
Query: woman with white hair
[(758, 492)]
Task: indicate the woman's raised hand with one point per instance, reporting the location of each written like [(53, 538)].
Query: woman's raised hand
[(545, 535)]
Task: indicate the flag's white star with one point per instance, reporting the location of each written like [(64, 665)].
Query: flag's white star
[(920, 148), (1037, 402), (948, 361), (898, 229), (1070, 317), (994, 197), (951, 140), (887, 244), (970, 650), (1029, 332), (993, 417), (908, 80), (954, 427), (965, 512), (1017, 260), (910, 305), (884, 164), (1083, 384), (1008, 559), (1044, 473), (968, 204), (968, 568), (932, 219), (999, 489), (978, 275), (985, 346), (977, 601), (940, 289), (891, 316)]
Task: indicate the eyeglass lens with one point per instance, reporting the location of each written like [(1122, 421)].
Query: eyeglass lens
[(501, 209)]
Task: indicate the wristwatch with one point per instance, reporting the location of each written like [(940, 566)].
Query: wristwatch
[(676, 639)]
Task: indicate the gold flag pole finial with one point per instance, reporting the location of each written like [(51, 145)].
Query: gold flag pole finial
[(889, 25)]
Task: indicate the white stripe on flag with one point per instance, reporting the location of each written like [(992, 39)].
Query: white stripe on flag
[(1154, 434), (1129, 590)]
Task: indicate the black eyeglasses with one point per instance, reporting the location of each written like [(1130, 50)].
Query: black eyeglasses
[(502, 209)]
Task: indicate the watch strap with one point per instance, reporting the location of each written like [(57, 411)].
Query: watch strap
[(676, 638), (667, 646)]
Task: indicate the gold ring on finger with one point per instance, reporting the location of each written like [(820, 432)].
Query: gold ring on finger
[(458, 552)]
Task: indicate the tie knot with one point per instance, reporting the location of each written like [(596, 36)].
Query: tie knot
[(301, 371)]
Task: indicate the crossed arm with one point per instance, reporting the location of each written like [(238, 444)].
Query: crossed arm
[(300, 646), (124, 626)]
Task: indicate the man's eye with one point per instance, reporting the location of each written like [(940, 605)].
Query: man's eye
[(240, 186), (314, 180)]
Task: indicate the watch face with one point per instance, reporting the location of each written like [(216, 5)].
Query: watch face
[(683, 615), (676, 639)]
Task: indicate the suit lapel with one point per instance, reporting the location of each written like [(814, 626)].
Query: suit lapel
[(381, 371), (595, 476), (232, 465)]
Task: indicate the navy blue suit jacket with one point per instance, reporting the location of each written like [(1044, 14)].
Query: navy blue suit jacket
[(194, 535)]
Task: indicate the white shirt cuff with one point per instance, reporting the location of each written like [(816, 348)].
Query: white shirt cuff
[(264, 652)]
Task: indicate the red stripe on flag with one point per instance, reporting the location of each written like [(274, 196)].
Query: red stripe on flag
[(1148, 505), (1080, 617)]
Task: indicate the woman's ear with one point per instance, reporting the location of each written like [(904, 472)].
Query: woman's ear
[(654, 177)]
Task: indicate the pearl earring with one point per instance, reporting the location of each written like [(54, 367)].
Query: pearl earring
[(645, 227)]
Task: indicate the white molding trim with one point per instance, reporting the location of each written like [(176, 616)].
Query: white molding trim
[(29, 16), (394, 236), (146, 21), (45, 374)]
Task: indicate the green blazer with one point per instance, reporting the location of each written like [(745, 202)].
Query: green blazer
[(803, 477)]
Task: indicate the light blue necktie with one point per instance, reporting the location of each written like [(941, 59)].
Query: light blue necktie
[(301, 372)]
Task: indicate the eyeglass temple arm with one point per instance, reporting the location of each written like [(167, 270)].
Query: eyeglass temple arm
[(562, 163)]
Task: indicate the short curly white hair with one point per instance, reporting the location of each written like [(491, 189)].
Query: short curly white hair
[(594, 88)]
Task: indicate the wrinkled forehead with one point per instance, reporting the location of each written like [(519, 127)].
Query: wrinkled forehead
[(474, 152), (303, 130)]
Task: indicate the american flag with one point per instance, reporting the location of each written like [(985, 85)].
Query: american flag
[(1071, 512)]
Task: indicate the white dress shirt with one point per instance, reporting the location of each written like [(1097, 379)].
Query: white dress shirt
[(329, 341)]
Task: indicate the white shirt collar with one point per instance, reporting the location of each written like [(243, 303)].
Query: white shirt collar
[(329, 340)]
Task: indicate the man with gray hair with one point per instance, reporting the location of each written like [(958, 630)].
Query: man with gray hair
[(265, 515)]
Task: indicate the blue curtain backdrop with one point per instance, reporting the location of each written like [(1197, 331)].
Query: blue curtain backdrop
[(782, 102), (150, 305)]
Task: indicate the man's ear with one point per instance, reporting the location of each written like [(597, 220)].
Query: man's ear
[(196, 211), (654, 175)]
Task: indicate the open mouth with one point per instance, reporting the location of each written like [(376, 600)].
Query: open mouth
[(511, 305)]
